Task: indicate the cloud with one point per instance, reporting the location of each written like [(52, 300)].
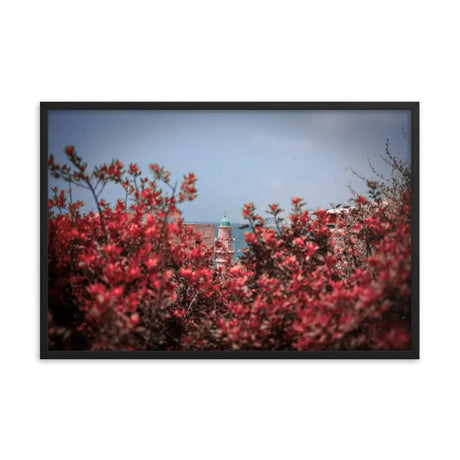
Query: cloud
[(282, 144)]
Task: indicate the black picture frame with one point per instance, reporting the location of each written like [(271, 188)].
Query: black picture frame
[(413, 353)]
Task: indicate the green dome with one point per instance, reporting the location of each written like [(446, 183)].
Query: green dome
[(224, 222)]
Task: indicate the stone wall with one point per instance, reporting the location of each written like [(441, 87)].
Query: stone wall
[(208, 233)]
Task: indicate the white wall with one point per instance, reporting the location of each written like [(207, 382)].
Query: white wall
[(240, 50)]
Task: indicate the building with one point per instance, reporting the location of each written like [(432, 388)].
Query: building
[(207, 233), (226, 247)]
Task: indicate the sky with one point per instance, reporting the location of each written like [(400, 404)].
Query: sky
[(238, 156)]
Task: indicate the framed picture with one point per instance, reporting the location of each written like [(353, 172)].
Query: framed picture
[(229, 230)]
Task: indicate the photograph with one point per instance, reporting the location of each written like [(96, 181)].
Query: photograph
[(229, 230)]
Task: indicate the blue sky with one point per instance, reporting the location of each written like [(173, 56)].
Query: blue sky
[(238, 156)]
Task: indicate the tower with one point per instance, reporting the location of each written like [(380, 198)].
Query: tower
[(224, 236)]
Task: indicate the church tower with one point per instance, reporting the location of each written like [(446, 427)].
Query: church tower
[(224, 235)]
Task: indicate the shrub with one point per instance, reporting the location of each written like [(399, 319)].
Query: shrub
[(133, 277)]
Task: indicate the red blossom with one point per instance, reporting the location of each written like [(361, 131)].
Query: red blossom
[(142, 282)]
